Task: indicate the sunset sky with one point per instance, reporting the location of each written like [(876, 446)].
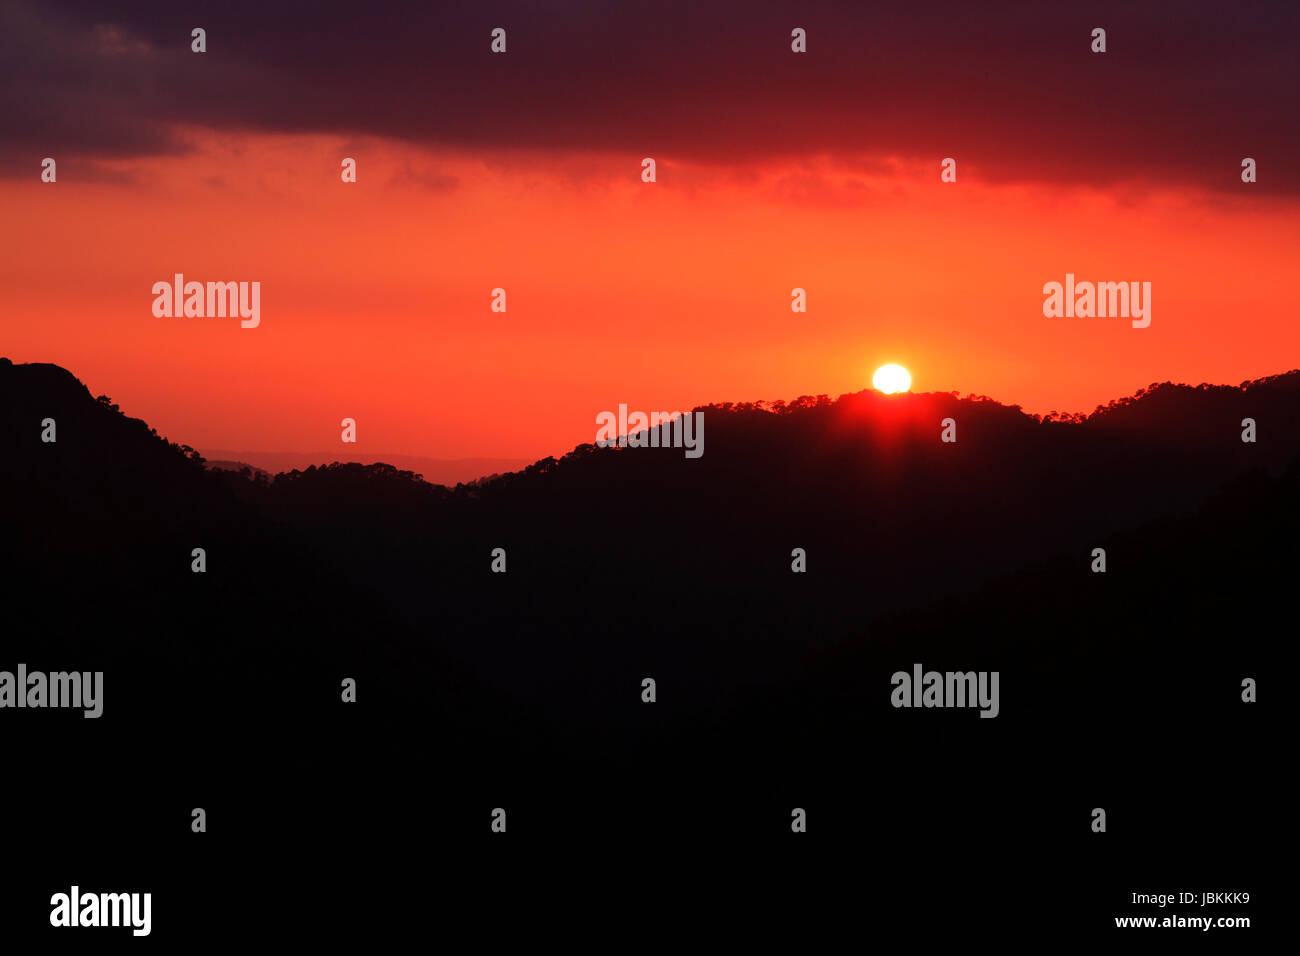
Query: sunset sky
[(776, 170)]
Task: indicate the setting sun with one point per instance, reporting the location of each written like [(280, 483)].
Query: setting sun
[(892, 378)]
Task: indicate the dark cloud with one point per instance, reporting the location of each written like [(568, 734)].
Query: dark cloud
[(1184, 92)]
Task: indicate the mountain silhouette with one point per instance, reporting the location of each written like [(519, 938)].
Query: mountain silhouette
[(439, 471), (627, 563)]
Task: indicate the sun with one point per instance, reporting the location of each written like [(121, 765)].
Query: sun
[(892, 378)]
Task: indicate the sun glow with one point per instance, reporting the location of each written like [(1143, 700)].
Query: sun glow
[(892, 378)]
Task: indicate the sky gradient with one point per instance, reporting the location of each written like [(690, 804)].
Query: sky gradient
[(522, 171)]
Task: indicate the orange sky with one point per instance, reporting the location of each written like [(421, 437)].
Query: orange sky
[(375, 296)]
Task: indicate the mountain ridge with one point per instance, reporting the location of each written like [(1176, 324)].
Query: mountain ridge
[(626, 564), (1155, 406)]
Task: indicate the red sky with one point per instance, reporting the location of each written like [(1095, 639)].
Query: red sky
[(375, 295)]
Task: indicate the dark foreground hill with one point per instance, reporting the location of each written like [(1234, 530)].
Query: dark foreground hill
[(438, 471), (524, 689)]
